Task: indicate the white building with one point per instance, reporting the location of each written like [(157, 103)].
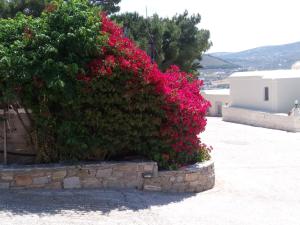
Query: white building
[(270, 91), (264, 98), (218, 98)]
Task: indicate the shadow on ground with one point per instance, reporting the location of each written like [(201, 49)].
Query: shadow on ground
[(22, 202)]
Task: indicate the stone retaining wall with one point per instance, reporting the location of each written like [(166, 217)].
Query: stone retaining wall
[(140, 175), (195, 178), (261, 119)]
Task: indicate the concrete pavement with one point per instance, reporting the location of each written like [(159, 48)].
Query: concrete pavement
[(257, 183)]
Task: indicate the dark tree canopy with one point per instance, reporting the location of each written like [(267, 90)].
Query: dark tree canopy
[(169, 41), (110, 6), (9, 8)]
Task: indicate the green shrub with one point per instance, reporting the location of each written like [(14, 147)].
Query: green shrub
[(92, 93)]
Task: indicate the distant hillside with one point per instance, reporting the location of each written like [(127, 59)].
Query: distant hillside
[(264, 58), (213, 62)]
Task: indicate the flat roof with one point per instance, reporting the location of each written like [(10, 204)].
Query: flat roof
[(268, 74), (217, 92)]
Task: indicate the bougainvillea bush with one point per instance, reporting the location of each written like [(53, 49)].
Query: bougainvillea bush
[(93, 94)]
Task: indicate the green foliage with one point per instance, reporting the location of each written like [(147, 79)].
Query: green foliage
[(81, 114), (9, 8), (129, 117), (176, 41), (40, 59), (109, 6)]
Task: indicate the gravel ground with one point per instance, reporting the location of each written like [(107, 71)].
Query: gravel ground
[(257, 183)]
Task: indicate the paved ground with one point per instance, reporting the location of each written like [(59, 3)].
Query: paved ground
[(258, 183)]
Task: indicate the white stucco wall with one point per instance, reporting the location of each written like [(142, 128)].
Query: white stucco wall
[(288, 90), (261, 119), (248, 92), (216, 97)]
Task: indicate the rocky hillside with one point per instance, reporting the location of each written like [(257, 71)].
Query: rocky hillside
[(213, 62), (262, 58)]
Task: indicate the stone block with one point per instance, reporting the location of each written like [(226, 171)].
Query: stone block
[(210, 169), (71, 183), (179, 179), (59, 175), (4, 185), (91, 182), (92, 172), (154, 180), (134, 183), (127, 168), (72, 172), (210, 182), (23, 180), (148, 168), (37, 174), (195, 185), (191, 177), (166, 185), (7, 176), (87, 172), (104, 172), (111, 183), (155, 170), (118, 174), (191, 189), (180, 185), (41, 180), (152, 188), (172, 179), (55, 185), (130, 176), (36, 186), (48, 173), (200, 188), (140, 168)]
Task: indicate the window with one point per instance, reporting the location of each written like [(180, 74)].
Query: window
[(266, 94)]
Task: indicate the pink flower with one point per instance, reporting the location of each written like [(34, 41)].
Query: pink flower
[(183, 104)]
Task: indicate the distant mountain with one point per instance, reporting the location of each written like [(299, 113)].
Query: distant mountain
[(264, 58), (213, 62)]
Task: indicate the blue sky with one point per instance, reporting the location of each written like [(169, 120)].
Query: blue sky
[(235, 25)]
